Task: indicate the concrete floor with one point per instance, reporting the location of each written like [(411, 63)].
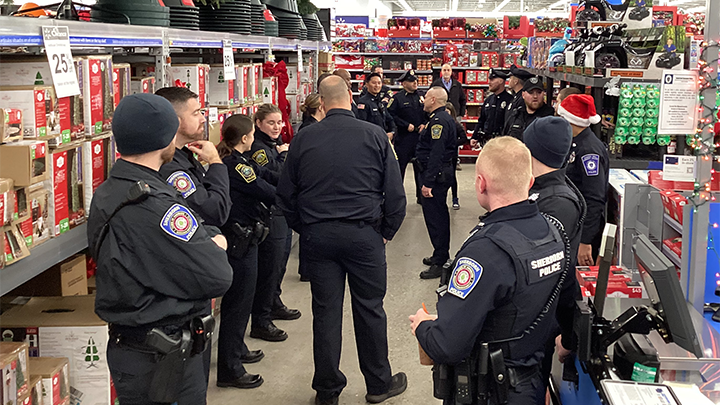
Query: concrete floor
[(288, 367)]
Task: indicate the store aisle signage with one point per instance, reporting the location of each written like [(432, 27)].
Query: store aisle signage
[(62, 69), (228, 60), (679, 168), (678, 102), (300, 58)]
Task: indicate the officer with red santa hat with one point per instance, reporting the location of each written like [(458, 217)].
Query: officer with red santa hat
[(588, 168)]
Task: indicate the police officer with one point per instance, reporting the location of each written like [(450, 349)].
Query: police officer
[(159, 264), (492, 115), (588, 168), (549, 140), (502, 282), (371, 107), (385, 93), (345, 75), (436, 150), (515, 83), (533, 106), (252, 196), (341, 190), (269, 152), (207, 192), (407, 109)]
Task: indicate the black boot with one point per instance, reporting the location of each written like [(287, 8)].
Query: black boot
[(435, 271)]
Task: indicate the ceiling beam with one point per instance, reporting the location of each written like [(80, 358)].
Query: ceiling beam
[(454, 5), (501, 5)]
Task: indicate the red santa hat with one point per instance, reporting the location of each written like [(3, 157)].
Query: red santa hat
[(579, 110)]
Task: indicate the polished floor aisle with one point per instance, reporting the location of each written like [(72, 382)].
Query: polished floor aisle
[(288, 367)]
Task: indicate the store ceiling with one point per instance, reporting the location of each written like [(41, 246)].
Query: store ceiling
[(497, 8)]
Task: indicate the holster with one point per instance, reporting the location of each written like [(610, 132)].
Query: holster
[(239, 240), (443, 381), (499, 376), (417, 166), (201, 329), (165, 386)]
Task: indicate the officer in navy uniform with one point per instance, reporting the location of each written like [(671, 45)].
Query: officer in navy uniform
[(436, 149), (207, 192), (492, 114), (589, 169), (502, 282), (371, 107), (341, 190), (549, 140), (516, 81), (533, 106), (158, 264), (407, 109), (385, 93)]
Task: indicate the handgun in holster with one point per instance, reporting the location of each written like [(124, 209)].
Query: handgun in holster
[(239, 240), (260, 232), (165, 386), (201, 329)]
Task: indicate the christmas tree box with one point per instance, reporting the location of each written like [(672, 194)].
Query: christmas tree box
[(67, 206), (142, 85), (94, 166), (15, 247), (245, 81), (39, 197), (221, 92), (25, 228), (53, 373), (35, 390), (11, 128), (62, 280), (121, 82), (21, 204), (20, 351), (257, 82), (270, 92), (24, 162), (6, 196), (68, 327), (40, 111), (95, 74), (8, 373), (25, 399), (194, 77)]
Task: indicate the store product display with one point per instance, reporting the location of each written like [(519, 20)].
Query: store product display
[(138, 12), (257, 17), (183, 14), (231, 16)]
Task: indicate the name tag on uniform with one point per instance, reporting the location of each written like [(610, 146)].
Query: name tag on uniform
[(591, 162), (182, 183), (179, 223), (465, 277)]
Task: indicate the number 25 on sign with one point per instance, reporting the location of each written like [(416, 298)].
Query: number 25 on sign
[(57, 48), (228, 60)]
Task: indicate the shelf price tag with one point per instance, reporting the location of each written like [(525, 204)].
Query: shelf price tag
[(300, 58), (228, 60), (62, 69)]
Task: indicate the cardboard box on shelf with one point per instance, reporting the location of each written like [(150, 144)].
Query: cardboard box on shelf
[(142, 85), (66, 327), (25, 228), (8, 373), (62, 280), (40, 111), (96, 82), (67, 207), (39, 197), (21, 204), (257, 82), (35, 389), (121, 82), (15, 247), (6, 198), (194, 77), (93, 167), (270, 92), (20, 351), (24, 162), (53, 372), (221, 92), (11, 124), (245, 82)]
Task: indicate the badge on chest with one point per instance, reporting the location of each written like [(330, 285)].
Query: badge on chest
[(465, 277)]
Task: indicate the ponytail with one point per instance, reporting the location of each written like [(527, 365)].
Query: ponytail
[(234, 128)]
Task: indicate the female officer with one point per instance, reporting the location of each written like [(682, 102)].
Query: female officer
[(251, 196), (269, 152), (312, 111)]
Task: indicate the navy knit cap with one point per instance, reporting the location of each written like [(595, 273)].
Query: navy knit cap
[(144, 123), (549, 140)]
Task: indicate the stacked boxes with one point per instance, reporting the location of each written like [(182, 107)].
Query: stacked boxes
[(638, 115), (95, 74), (221, 92), (14, 363), (121, 82), (67, 207), (194, 77), (53, 373)]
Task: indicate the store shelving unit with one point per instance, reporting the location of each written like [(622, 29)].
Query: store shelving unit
[(146, 43)]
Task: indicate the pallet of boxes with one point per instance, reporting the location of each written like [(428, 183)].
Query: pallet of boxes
[(32, 380)]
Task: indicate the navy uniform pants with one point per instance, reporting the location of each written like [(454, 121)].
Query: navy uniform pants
[(277, 301), (132, 370), (437, 216), (336, 251), (405, 144), (235, 310), (270, 270)]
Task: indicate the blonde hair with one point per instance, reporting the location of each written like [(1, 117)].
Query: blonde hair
[(265, 110), (311, 105), (506, 165)]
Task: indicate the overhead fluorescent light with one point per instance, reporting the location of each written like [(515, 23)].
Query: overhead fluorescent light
[(501, 5)]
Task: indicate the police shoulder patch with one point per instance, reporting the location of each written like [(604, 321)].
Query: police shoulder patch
[(260, 157), (361, 106), (246, 172), (436, 131), (465, 277), (390, 102), (503, 104), (591, 163), (179, 223), (182, 183)]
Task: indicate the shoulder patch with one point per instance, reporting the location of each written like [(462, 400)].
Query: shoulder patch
[(591, 162), (182, 183), (503, 104), (179, 222), (436, 131), (465, 277), (246, 172), (260, 157), (390, 102), (361, 106)]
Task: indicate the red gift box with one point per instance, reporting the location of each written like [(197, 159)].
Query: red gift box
[(674, 244), (678, 202), (665, 196), (655, 178), (524, 30)]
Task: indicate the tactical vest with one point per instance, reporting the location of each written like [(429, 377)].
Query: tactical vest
[(538, 265), (569, 192)]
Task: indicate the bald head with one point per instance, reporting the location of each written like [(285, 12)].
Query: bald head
[(334, 93), (504, 173), (435, 98)]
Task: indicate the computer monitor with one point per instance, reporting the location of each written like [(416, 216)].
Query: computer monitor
[(663, 288)]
